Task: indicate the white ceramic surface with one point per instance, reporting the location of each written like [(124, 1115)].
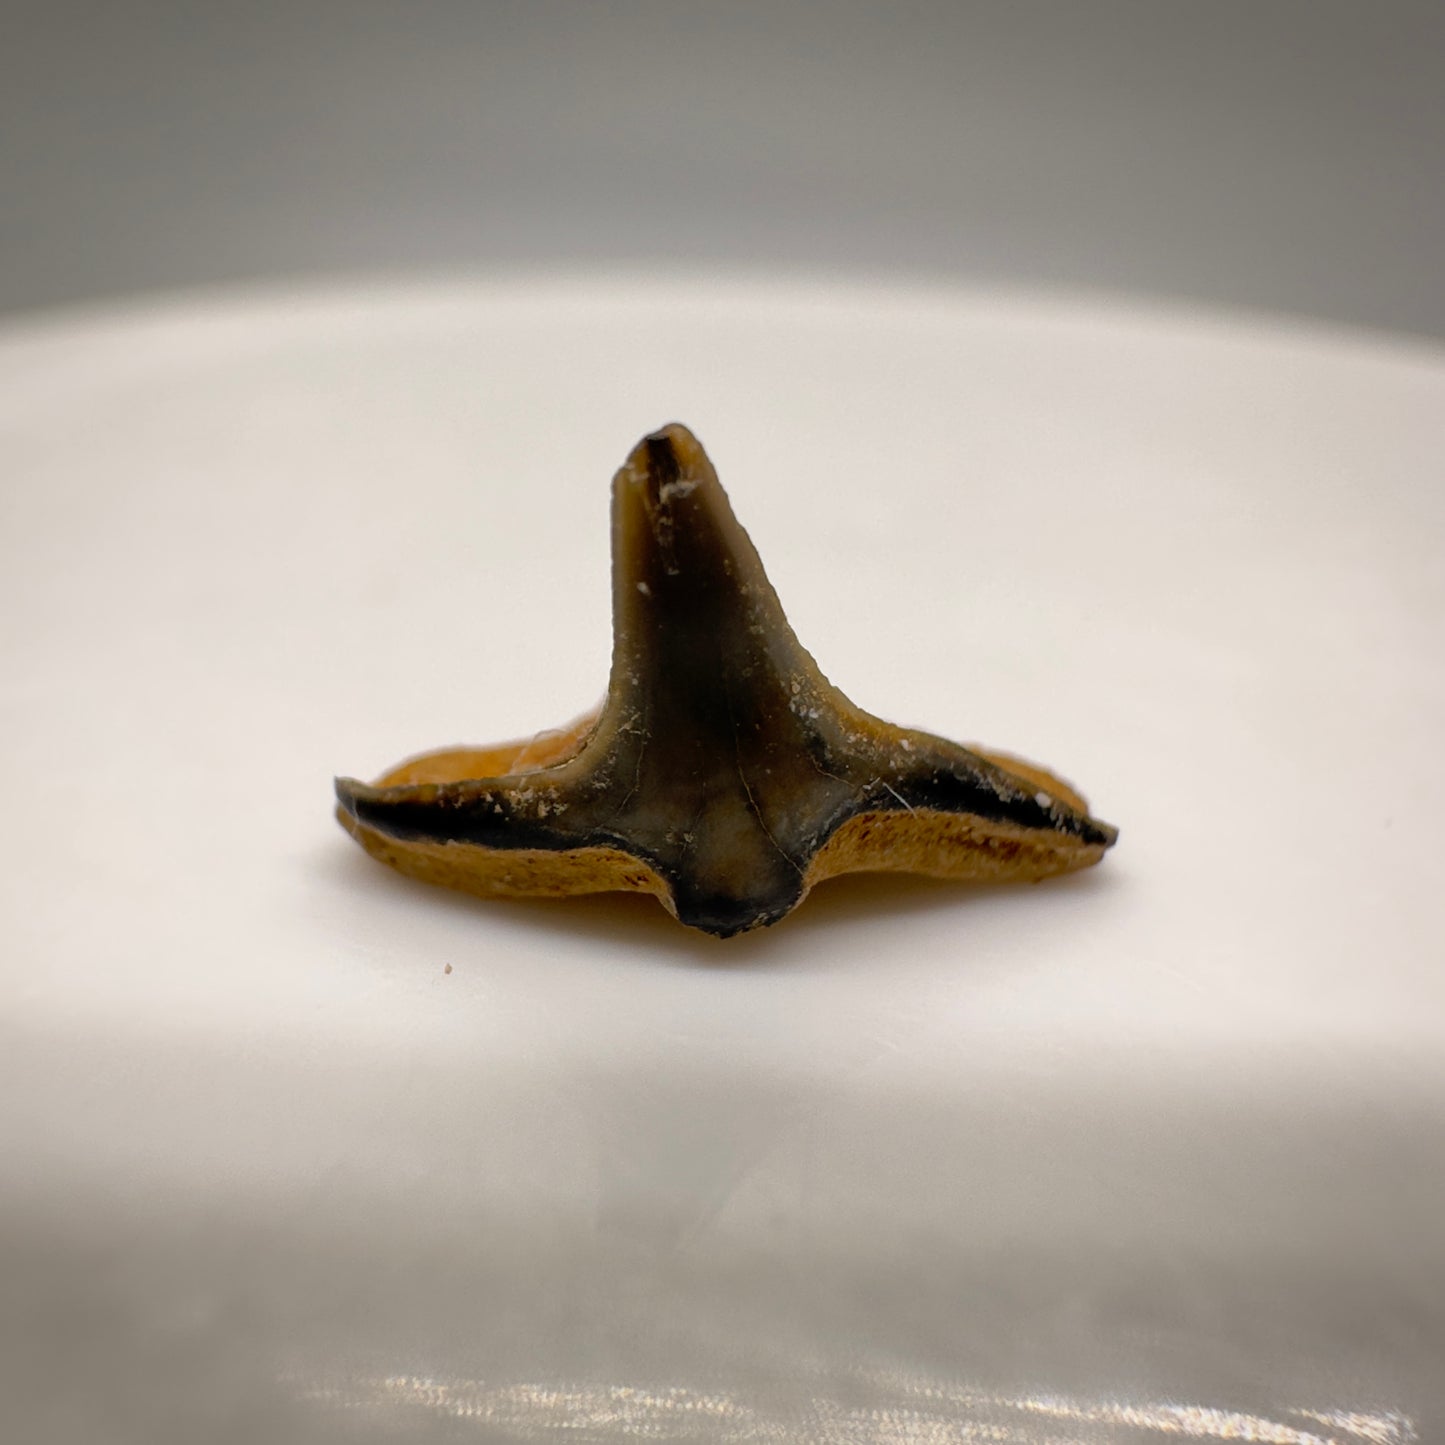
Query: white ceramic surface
[(292, 1146)]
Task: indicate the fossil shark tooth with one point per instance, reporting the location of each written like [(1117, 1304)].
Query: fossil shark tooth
[(722, 772)]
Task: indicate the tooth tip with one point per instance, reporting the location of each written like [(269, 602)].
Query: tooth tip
[(675, 433), (668, 454)]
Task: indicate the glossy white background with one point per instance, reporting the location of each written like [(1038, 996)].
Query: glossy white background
[(1148, 1149)]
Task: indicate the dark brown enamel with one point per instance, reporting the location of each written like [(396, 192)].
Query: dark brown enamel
[(722, 757)]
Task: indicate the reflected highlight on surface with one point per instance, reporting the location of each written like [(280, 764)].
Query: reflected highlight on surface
[(909, 1414)]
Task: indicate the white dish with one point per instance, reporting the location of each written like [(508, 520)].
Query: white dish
[(1148, 1151)]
